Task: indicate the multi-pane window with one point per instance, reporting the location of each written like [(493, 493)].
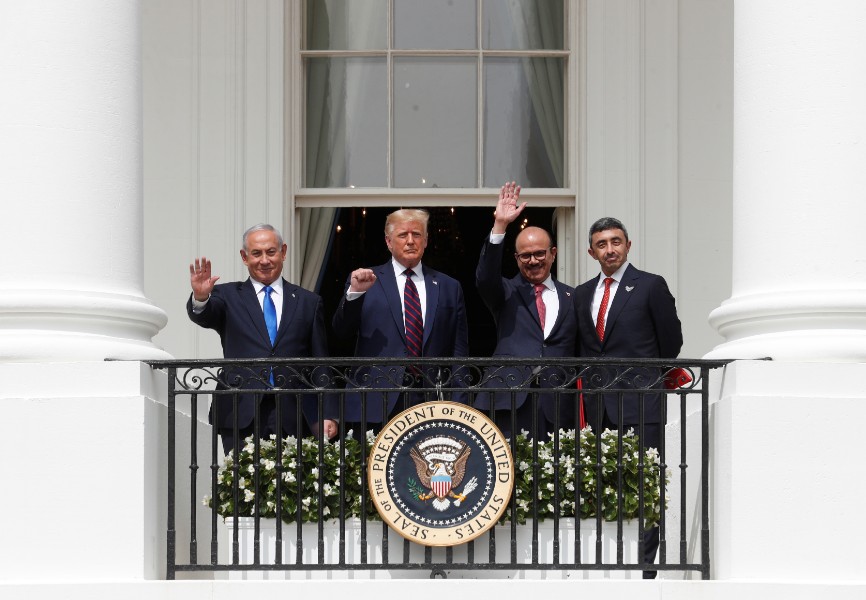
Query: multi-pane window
[(434, 93)]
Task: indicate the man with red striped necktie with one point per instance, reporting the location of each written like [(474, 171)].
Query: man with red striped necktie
[(380, 309), (535, 318)]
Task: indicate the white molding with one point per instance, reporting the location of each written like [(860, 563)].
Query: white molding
[(629, 59), (294, 143)]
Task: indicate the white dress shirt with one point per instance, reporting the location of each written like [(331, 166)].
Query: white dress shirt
[(258, 286), (417, 277), (599, 292), (549, 296)]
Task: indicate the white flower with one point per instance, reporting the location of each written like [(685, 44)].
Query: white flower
[(206, 500), (327, 489), (249, 495), (306, 501), (242, 483), (315, 472)]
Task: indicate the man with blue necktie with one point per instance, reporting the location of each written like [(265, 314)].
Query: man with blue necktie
[(262, 317)]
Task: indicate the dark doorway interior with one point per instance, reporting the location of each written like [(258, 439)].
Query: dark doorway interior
[(455, 238)]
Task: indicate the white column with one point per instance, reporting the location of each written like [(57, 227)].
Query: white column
[(71, 284), (783, 489), (799, 256)]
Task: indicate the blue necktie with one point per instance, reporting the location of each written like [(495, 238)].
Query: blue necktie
[(270, 314)]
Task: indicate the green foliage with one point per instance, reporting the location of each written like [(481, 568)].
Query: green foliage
[(550, 474), (309, 498), (596, 460)]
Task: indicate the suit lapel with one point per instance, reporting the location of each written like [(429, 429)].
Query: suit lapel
[(290, 305), (565, 306), (587, 294), (247, 294), (588, 289), (385, 275), (623, 294), (526, 292), (431, 289)]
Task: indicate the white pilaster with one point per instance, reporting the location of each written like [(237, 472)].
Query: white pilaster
[(799, 262), (71, 286), (786, 484), (781, 464)]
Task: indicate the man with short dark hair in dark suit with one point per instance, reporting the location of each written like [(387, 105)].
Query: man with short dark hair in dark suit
[(535, 318), (626, 313), (262, 317), (400, 309)]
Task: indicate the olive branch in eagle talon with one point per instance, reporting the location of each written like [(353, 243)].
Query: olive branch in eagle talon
[(441, 464)]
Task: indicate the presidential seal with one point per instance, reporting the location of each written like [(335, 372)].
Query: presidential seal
[(440, 473)]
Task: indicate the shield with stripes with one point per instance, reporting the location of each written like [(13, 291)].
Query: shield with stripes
[(441, 484)]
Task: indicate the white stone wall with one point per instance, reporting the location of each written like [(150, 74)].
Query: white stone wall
[(653, 129)]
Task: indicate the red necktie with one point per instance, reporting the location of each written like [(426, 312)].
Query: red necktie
[(539, 304), (412, 314), (599, 323)]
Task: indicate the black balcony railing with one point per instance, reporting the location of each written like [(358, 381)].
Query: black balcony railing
[(303, 504)]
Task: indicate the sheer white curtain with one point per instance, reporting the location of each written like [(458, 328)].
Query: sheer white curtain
[(337, 25), (325, 157), (539, 25)]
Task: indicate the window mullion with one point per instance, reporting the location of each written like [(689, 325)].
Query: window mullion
[(479, 170), (389, 180)]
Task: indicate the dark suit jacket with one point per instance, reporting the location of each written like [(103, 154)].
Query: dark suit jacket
[(234, 312), (519, 334), (376, 319), (642, 323)]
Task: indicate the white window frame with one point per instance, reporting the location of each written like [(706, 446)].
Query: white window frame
[(564, 200)]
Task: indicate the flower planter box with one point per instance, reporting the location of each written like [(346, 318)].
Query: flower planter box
[(374, 541)]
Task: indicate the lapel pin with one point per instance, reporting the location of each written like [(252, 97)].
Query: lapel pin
[(293, 295), (629, 288), (568, 294), (435, 282)]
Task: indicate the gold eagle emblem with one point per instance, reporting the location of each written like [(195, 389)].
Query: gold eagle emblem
[(441, 464)]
